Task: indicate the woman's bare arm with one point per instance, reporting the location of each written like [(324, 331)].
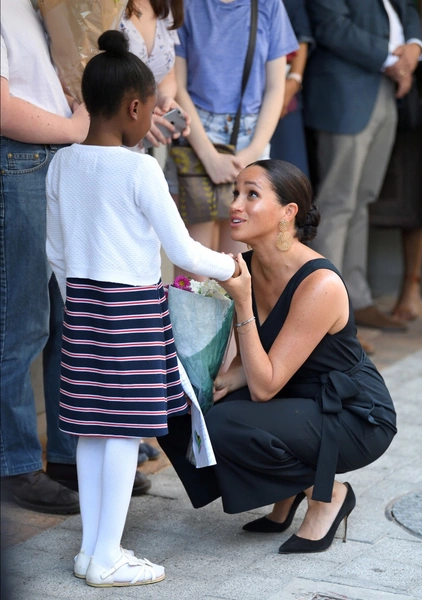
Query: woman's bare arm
[(25, 122)]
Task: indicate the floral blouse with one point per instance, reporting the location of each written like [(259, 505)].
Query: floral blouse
[(161, 59)]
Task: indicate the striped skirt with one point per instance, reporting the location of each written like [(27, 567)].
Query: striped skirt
[(119, 373)]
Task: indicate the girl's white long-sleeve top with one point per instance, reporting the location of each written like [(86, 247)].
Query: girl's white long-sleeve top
[(108, 209)]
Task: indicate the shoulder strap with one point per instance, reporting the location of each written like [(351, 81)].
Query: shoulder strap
[(246, 69)]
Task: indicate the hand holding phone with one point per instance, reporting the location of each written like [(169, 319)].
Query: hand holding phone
[(176, 118)]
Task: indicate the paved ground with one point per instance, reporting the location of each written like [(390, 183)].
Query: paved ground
[(207, 555)]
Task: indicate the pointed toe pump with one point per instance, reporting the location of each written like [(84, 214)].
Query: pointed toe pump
[(264, 525), (298, 545)]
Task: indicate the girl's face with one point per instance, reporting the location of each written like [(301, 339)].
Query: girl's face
[(255, 211), (140, 122)]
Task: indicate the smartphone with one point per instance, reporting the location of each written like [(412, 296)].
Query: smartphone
[(176, 118)]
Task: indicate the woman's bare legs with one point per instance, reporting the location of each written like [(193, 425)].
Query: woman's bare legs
[(320, 515), (408, 306), (281, 510)]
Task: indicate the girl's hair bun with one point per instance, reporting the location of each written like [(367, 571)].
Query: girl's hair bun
[(114, 42)]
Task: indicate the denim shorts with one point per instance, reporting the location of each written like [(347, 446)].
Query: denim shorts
[(219, 129)]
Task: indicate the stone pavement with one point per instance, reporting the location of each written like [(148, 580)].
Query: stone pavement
[(207, 555)]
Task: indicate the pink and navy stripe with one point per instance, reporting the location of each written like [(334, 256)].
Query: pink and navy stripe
[(119, 374)]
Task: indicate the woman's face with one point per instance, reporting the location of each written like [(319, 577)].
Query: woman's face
[(255, 211)]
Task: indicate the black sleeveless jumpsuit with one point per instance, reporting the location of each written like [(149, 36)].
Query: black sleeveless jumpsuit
[(334, 415)]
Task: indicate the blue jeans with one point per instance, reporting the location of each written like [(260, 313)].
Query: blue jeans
[(219, 129), (31, 312)]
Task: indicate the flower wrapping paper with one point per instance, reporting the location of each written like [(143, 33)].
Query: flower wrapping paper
[(74, 27), (201, 329)]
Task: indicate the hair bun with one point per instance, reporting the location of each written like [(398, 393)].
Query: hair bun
[(113, 42), (311, 222)]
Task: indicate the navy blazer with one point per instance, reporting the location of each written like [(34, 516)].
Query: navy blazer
[(343, 74)]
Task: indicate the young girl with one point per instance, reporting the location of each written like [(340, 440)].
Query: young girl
[(108, 210)]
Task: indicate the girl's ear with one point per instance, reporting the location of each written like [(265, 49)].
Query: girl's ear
[(134, 109)]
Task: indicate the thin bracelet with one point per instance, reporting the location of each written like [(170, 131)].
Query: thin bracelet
[(245, 322), (296, 76)]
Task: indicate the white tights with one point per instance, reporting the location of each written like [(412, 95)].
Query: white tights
[(106, 472)]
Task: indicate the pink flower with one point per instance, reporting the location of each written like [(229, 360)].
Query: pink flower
[(183, 283)]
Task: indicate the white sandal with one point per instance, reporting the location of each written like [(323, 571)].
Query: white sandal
[(147, 572), (82, 561)]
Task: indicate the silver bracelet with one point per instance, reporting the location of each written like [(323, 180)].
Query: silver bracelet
[(296, 76), (245, 322)]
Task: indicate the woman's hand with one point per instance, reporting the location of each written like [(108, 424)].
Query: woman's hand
[(165, 105), (290, 91), (239, 287), (154, 135), (222, 168), (247, 155), (221, 387), (230, 381)]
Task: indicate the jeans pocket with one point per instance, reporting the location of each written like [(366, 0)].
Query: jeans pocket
[(21, 162)]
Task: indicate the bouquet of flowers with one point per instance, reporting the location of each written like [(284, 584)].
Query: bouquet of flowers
[(202, 315), (202, 322), (74, 27)]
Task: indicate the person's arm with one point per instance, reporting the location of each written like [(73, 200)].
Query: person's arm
[(295, 76), (161, 212), (230, 381), (54, 245), (335, 30), (408, 56), (222, 168), (166, 93), (269, 112), (25, 122), (319, 306)]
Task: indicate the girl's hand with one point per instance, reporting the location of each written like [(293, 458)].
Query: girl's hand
[(292, 88), (222, 168), (154, 135), (247, 155), (165, 105), (239, 287)]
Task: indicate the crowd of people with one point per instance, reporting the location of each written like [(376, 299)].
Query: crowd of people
[(311, 93)]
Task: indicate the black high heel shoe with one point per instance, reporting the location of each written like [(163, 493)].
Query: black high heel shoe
[(264, 525), (298, 545)]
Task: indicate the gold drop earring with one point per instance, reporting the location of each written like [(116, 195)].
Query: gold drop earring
[(284, 240)]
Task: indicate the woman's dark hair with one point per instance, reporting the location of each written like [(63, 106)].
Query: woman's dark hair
[(114, 73), (291, 185), (162, 9)]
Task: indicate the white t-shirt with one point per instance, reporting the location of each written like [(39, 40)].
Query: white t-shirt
[(25, 58), (108, 209)]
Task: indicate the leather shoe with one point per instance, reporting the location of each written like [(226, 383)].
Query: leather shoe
[(371, 316), (151, 452), (141, 484), (67, 475), (37, 491)]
